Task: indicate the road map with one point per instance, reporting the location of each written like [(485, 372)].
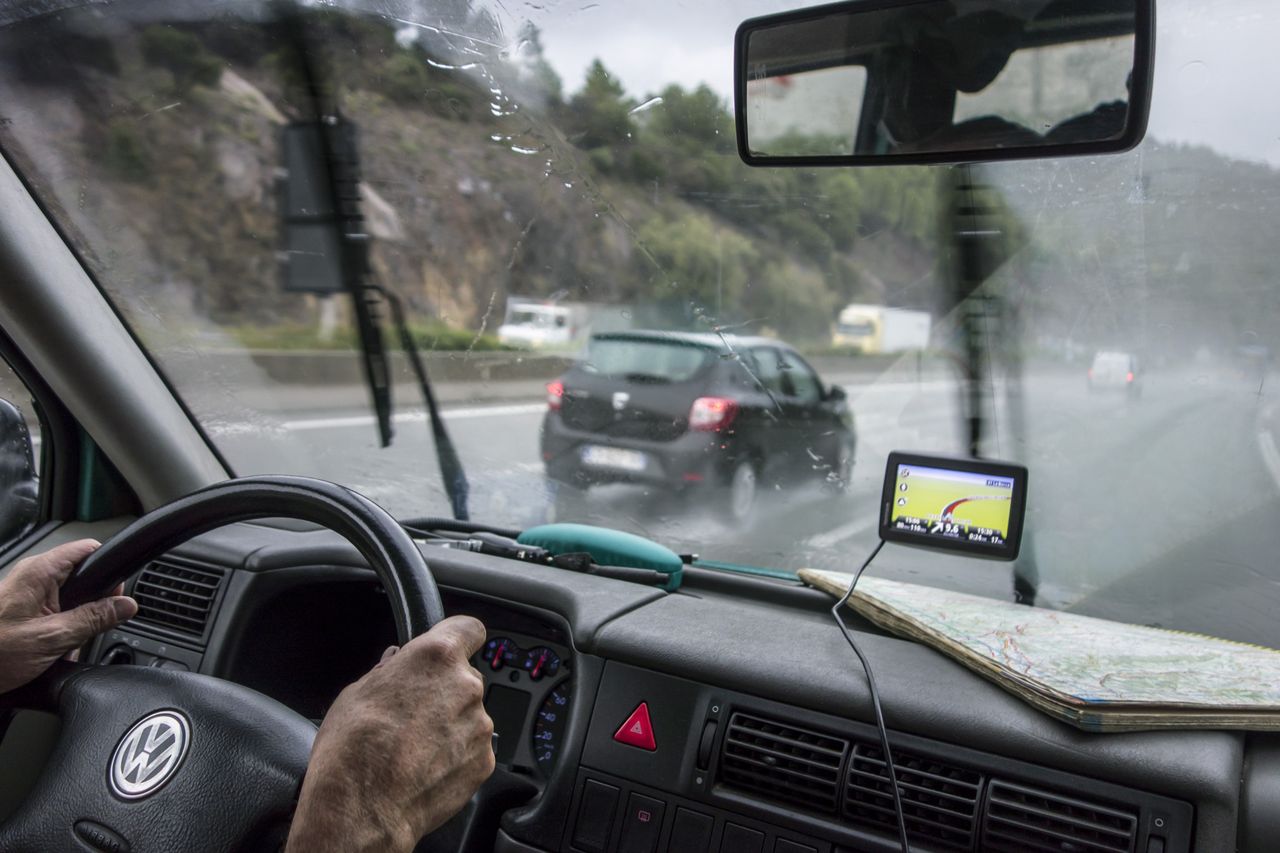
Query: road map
[(1093, 673)]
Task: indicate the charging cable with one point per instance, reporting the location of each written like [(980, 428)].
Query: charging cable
[(875, 697)]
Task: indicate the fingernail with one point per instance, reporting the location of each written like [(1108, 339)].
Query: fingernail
[(124, 607)]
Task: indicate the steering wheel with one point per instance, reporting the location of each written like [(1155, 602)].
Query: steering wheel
[(156, 760)]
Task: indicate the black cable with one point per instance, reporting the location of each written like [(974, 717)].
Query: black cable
[(454, 525), (875, 697)]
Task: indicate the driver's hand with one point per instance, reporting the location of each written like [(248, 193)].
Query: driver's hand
[(33, 632), (401, 750)]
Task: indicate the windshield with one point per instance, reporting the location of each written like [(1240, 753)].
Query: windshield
[(530, 317), (584, 154)]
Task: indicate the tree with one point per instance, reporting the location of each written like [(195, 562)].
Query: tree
[(539, 83), (709, 264), (694, 120), (600, 114)]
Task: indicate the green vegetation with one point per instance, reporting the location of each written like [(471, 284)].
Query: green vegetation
[(599, 115), (427, 336), (124, 154), (183, 55)]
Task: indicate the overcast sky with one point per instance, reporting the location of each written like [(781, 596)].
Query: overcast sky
[(1217, 61)]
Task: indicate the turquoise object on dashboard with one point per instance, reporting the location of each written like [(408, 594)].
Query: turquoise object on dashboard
[(608, 548)]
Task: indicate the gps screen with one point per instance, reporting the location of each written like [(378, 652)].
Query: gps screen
[(965, 505)]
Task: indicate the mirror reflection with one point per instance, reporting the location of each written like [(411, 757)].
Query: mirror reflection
[(940, 77)]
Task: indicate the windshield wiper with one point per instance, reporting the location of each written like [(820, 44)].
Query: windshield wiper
[(323, 189), (337, 180), (455, 478)]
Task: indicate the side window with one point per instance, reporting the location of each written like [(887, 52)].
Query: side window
[(19, 454), (768, 368), (798, 379)]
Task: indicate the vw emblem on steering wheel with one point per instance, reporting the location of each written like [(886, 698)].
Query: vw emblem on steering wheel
[(149, 754)]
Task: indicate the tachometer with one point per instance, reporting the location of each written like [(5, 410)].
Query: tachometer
[(541, 662), (548, 727), (499, 652)]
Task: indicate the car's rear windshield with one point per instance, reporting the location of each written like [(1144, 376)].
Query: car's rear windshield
[(640, 360), (1111, 359)]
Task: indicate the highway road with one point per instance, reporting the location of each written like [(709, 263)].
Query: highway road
[(1160, 510)]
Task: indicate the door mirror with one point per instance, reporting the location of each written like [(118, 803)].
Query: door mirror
[(836, 394), (903, 81), (19, 482)]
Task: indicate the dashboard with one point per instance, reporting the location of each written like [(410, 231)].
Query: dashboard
[(528, 687), (631, 720)]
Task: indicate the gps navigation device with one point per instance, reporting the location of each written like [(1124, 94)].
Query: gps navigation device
[(971, 506)]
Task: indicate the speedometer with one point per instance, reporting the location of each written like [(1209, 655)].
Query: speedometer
[(548, 727)]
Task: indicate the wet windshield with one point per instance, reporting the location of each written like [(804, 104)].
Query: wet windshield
[(581, 155)]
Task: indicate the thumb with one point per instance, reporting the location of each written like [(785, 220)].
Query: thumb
[(77, 626)]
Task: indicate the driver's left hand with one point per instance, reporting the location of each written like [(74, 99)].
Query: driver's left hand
[(33, 631)]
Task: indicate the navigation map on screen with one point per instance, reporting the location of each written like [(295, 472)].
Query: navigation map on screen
[(952, 504)]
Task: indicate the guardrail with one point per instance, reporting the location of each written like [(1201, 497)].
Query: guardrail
[(343, 367), (328, 367)]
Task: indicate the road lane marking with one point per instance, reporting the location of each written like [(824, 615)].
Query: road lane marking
[(470, 412), (413, 417), (839, 534)]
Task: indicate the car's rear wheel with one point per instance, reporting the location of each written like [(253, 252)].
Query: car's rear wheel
[(741, 493)]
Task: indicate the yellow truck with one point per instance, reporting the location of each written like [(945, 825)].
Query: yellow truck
[(878, 330)]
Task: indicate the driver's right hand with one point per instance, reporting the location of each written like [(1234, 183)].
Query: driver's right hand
[(402, 750)]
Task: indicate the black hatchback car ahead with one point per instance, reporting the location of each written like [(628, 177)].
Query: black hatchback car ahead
[(693, 411)]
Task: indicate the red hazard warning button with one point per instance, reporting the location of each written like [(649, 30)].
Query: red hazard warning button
[(637, 730)]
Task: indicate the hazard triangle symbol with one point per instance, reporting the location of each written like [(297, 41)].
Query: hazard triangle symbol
[(637, 730)]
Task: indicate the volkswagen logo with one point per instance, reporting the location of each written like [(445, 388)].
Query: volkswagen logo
[(620, 400), (149, 754)]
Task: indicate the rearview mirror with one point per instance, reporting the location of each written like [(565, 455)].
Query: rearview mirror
[(943, 81)]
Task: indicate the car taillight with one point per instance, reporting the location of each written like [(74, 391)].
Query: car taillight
[(555, 395), (712, 413), (1128, 377)]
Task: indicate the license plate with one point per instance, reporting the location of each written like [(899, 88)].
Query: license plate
[(614, 457)]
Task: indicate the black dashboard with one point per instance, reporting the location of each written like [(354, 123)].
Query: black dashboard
[(728, 716)]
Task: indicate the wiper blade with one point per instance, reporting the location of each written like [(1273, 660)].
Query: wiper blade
[(338, 187), (455, 478)]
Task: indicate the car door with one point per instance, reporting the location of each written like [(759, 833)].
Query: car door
[(781, 435), (811, 426)]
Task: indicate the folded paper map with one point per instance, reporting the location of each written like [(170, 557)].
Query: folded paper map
[(1095, 674)]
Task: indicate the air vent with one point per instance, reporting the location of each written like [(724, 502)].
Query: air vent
[(176, 596), (939, 801), (783, 762), (1025, 819)]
